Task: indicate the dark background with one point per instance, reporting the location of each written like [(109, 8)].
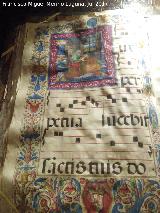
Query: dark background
[(10, 17)]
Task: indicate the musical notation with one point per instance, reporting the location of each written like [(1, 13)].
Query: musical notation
[(101, 127)]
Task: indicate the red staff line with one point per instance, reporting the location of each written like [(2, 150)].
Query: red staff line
[(101, 135), (130, 128), (107, 107), (70, 136), (120, 93), (134, 74), (109, 112), (100, 95), (66, 97), (78, 114), (97, 151), (82, 91), (113, 159), (104, 159), (85, 91), (100, 143), (111, 126), (85, 136)]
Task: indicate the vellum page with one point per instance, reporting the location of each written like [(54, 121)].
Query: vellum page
[(87, 117)]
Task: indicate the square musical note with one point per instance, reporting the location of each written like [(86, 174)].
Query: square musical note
[(135, 139), (78, 140), (92, 101), (109, 96), (83, 103), (112, 143), (140, 144), (70, 105), (61, 109), (60, 133), (98, 135), (114, 100), (124, 99), (58, 105), (88, 98), (55, 133), (75, 101)]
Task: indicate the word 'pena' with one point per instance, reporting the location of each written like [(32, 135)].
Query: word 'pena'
[(64, 122)]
